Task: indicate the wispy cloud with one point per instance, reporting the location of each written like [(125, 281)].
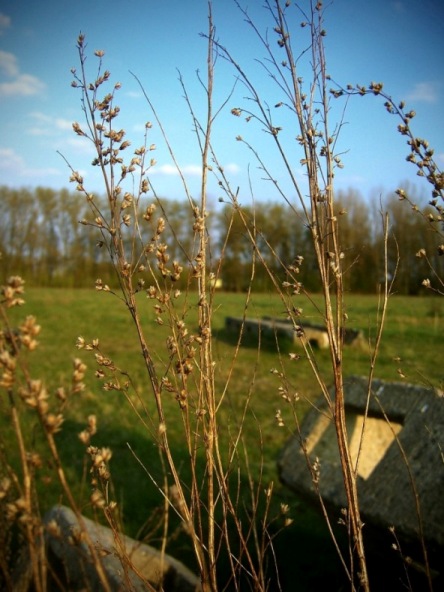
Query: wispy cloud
[(190, 170), (424, 92), (9, 64), (24, 85), (10, 160), (5, 22), (21, 84), (138, 127), (13, 167), (45, 125), (81, 145), (232, 168), (132, 94), (42, 173)]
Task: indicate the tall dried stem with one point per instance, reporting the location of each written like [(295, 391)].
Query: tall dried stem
[(310, 105)]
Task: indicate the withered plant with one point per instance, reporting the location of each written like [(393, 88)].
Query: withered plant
[(22, 523), (308, 105), (132, 226)]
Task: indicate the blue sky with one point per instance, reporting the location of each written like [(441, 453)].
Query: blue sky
[(400, 43)]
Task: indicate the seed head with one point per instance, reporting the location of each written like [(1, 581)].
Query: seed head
[(278, 417), (97, 499), (53, 423)]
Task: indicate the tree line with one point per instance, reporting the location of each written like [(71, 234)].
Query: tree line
[(43, 239)]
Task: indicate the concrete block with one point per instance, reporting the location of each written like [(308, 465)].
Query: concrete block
[(138, 565), (387, 498)]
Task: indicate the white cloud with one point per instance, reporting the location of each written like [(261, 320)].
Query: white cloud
[(63, 124), (8, 64), (13, 167), (24, 85), (139, 127), (425, 92), (5, 22), (39, 131), (164, 169), (10, 160), (190, 170), (39, 116), (132, 94), (45, 125), (43, 173), (232, 168), (80, 144), (14, 170)]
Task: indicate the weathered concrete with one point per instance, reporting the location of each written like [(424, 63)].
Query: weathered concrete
[(317, 334), (142, 564), (256, 327), (271, 327), (416, 415)]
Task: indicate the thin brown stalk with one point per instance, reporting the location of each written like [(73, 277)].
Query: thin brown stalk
[(33, 538), (67, 491)]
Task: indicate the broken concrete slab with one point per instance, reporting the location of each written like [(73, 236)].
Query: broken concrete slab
[(257, 327), (271, 327), (317, 334), (415, 432), (142, 567)]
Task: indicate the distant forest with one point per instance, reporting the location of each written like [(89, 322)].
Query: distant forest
[(43, 239)]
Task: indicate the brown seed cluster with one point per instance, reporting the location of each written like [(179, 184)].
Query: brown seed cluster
[(13, 291)]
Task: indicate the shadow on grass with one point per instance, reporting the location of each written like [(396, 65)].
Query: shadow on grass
[(253, 341), (304, 553), (136, 482)]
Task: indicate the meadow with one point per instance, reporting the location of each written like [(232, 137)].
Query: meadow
[(127, 424)]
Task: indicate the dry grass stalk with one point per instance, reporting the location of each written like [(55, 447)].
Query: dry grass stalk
[(132, 231)]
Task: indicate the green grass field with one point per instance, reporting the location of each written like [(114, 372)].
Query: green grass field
[(412, 333), (410, 345)]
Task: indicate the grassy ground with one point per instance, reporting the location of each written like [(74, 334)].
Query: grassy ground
[(410, 347)]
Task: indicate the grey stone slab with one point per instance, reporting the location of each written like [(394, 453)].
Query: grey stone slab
[(138, 565), (388, 487), (315, 335)]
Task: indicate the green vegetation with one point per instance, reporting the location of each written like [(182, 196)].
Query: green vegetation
[(67, 314)]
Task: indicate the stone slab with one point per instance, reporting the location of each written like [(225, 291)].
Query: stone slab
[(144, 565), (416, 430), (271, 327)]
